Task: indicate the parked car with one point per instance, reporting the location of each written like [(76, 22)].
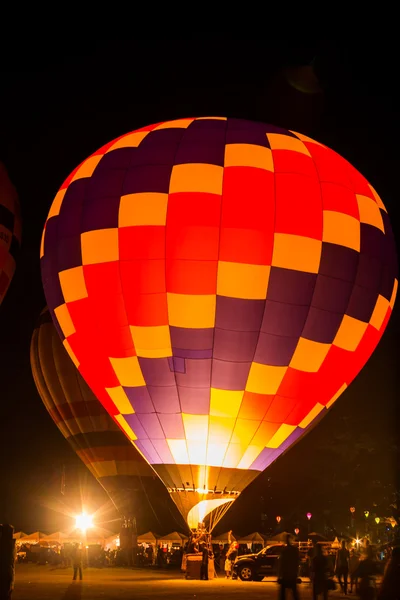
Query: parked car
[(254, 567)]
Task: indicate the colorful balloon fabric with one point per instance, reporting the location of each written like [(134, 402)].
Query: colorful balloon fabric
[(218, 283), (10, 231), (82, 420)]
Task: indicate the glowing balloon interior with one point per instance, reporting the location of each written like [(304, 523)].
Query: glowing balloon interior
[(218, 283), (10, 231)]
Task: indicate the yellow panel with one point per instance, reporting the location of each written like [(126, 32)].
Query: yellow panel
[(278, 141), (211, 119), (380, 310), (197, 452), (394, 294), (369, 212), (264, 379), (233, 456), (56, 205), (73, 284), (305, 138), (248, 155), (314, 412), (195, 177), (225, 403), (377, 198), (238, 280), (64, 320), (71, 353), (216, 453), (296, 252), (100, 245), (128, 371), (244, 431), (336, 396), (120, 400), (350, 333), (179, 451), (309, 355), (86, 169), (152, 342), (149, 208), (191, 311), (196, 427), (42, 242), (181, 123), (132, 140), (250, 456), (220, 429), (341, 229), (104, 468), (125, 427), (281, 435)]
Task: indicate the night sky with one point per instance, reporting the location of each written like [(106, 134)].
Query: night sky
[(58, 107)]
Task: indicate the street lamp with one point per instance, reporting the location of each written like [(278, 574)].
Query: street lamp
[(84, 522)]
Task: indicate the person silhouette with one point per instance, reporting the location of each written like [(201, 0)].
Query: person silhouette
[(288, 569)]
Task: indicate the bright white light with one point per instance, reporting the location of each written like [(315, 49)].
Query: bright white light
[(84, 522), (358, 541)]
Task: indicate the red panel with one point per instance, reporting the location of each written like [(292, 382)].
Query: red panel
[(146, 310), (365, 348), (248, 246), (102, 279), (298, 205), (360, 184), (339, 199), (287, 161), (254, 406), (280, 409), (141, 242), (330, 166), (191, 276), (96, 367), (300, 411), (143, 276)]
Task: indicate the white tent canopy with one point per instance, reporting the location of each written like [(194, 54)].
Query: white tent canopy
[(173, 538), (18, 535), (148, 538), (251, 538), (33, 538), (57, 537), (223, 538)]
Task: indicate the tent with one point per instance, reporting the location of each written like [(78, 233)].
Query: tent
[(173, 538), (223, 539), (281, 537), (18, 535), (317, 536), (56, 537), (251, 538), (33, 538), (148, 538)]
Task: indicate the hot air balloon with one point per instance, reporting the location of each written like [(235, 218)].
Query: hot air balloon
[(218, 283), (93, 435), (10, 230)]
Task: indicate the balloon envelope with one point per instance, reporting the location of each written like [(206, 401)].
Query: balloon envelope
[(218, 283), (10, 230)]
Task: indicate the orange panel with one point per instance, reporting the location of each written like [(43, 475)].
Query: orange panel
[(254, 406)]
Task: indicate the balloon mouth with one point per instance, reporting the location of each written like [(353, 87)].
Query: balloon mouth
[(212, 509)]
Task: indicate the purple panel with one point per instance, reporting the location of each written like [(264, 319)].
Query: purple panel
[(369, 272), (55, 323), (158, 147), (386, 283), (198, 374), (69, 252), (176, 364), (268, 455), (229, 375), (100, 214), (139, 398), (273, 129), (236, 346), (321, 326), (262, 461), (202, 146), (151, 425), (137, 427), (206, 125), (165, 398), (156, 371), (182, 353), (239, 315), (390, 248), (104, 183), (147, 448), (172, 425), (331, 294), (69, 222), (338, 261), (284, 319), (51, 236), (193, 339), (120, 158), (163, 451), (291, 287), (372, 241), (275, 350), (195, 401), (362, 303), (147, 179), (53, 293)]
